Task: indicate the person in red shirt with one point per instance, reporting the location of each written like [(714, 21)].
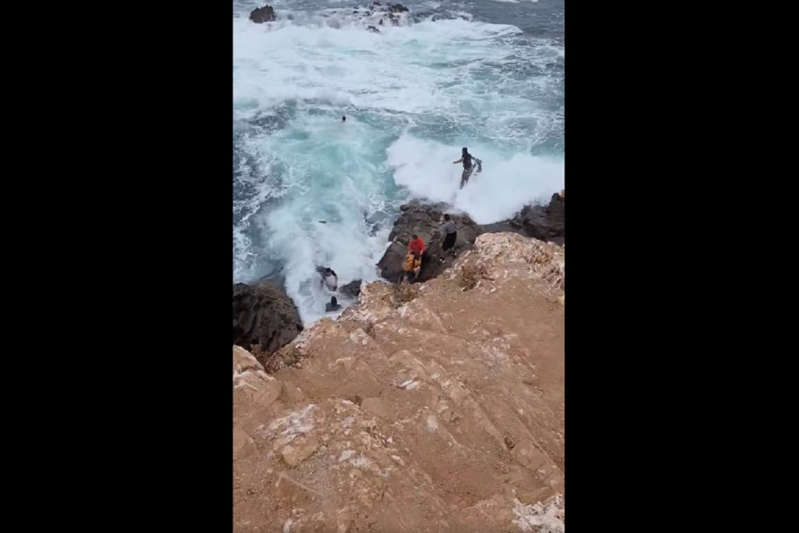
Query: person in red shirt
[(417, 248)]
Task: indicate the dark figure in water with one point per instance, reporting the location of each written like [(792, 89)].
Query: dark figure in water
[(466, 159), (450, 233), (332, 305), (343, 119), (329, 277)]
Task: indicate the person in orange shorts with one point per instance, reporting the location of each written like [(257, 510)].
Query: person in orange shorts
[(413, 259)]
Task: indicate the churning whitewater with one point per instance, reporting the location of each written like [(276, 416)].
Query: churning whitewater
[(311, 190)]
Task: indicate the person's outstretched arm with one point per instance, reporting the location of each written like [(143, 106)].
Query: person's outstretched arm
[(458, 161)]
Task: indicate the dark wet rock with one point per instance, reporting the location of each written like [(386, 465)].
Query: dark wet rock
[(544, 222), (541, 222), (262, 14), (352, 289), (264, 317), (275, 277), (375, 15), (424, 220)]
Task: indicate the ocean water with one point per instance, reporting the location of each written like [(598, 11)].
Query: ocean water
[(310, 190)]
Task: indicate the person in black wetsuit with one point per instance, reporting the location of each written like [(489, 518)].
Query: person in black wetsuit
[(333, 305), (466, 159)]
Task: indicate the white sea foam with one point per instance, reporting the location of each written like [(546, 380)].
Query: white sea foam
[(413, 95), (507, 182)]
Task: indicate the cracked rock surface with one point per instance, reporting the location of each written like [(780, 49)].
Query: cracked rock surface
[(429, 407)]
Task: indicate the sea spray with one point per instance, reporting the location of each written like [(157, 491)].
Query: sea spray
[(413, 96)]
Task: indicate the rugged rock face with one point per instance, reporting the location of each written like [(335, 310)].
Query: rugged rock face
[(264, 317), (378, 14), (542, 222), (262, 14), (425, 407), (352, 289), (545, 223), (397, 8), (424, 220)]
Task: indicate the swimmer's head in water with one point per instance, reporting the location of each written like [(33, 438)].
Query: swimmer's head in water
[(343, 119)]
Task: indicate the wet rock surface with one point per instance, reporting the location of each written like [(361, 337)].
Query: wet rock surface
[(263, 14), (264, 317), (544, 222)]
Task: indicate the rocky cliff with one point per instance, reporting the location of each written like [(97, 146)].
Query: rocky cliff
[(426, 407), (264, 318)]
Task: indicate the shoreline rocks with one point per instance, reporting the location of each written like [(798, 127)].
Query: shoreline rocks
[(264, 318), (424, 220), (541, 222), (263, 14), (351, 289)]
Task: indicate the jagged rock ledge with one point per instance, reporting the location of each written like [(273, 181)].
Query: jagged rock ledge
[(264, 318), (540, 222), (263, 14)]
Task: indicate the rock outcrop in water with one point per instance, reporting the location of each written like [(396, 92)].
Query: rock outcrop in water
[(425, 407), (424, 220), (262, 14), (545, 223), (542, 222), (373, 17), (351, 289), (396, 8), (264, 317)]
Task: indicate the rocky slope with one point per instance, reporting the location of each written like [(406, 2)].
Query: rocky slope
[(425, 407)]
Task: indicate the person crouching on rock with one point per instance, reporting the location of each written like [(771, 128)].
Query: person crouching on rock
[(450, 233), (417, 248), (333, 305), (411, 266)]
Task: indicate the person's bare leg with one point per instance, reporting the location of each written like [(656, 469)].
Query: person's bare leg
[(465, 176)]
